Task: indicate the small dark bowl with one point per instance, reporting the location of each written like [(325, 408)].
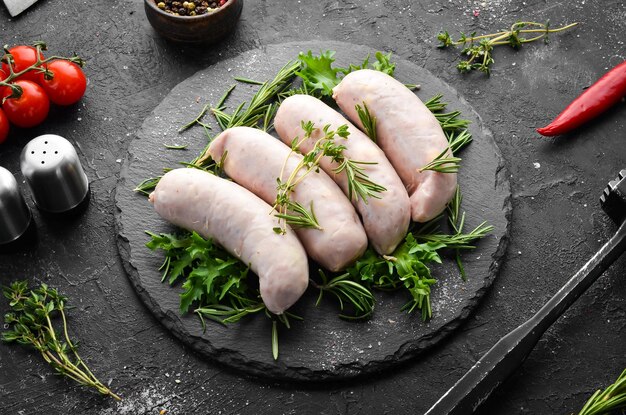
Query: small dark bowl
[(206, 28)]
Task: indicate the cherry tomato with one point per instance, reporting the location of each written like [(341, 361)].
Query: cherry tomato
[(23, 57), (31, 108), (68, 84), (4, 126)]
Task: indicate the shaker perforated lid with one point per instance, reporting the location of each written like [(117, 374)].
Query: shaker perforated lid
[(15, 216), (54, 174)]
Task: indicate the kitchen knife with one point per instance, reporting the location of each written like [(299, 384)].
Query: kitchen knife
[(509, 352)]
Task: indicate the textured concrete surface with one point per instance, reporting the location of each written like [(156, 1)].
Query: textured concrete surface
[(556, 224)]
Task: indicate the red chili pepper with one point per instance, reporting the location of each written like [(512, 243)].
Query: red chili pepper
[(599, 97)]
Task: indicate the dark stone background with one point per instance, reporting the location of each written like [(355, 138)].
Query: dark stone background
[(557, 223)]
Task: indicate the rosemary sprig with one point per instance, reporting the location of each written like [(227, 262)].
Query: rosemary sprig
[(297, 216), (197, 120), (147, 185), (443, 163), (359, 184), (260, 108), (247, 80), (346, 290), (367, 120), (456, 220), (31, 323), (455, 130), (175, 147), (612, 399), (458, 240), (479, 48), (223, 314)]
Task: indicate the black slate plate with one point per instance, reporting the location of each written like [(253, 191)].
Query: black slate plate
[(322, 346)]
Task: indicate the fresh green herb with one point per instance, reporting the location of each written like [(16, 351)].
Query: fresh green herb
[(367, 120), (197, 120), (457, 240), (31, 323), (612, 399), (458, 141), (295, 215), (444, 163), (405, 267), (479, 48), (359, 184), (455, 130), (320, 77), (317, 72), (247, 80), (147, 186), (260, 108), (346, 290), (211, 275), (214, 280)]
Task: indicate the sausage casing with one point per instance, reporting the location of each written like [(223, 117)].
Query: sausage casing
[(408, 133), (255, 160), (238, 220), (386, 219)]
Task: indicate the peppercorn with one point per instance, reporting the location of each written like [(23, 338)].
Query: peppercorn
[(189, 7)]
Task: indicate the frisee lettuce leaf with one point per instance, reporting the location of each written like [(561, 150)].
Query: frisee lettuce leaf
[(211, 275), (319, 75)]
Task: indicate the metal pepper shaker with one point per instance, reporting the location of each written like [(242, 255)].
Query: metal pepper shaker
[(15, 216), (54, 174)]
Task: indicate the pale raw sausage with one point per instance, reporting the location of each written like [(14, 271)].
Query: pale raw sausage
[(238, 220), (408, 133), (386, 220), (255, 160)]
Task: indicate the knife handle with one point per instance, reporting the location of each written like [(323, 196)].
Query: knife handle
[(509, 352)]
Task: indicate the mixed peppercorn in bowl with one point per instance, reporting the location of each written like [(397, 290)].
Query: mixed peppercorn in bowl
[(193, 21), (189, 8)]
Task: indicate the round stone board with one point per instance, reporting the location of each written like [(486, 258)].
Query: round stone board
[(322, 346)]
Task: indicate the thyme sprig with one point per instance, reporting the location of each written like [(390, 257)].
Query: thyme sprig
[(33, 312), (38, 66), (479, 49), (612, 399)]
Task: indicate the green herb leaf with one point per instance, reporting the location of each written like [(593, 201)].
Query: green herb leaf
[(34, 321), (210, 273), (317, 72), (478, 49), (367, 120), (612, 399)]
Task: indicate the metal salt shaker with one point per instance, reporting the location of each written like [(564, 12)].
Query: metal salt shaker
[(54, 174)]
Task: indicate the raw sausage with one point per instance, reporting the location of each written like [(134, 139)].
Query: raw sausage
[(408, 133), (255, 160), (386, 220), (238, 220)]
